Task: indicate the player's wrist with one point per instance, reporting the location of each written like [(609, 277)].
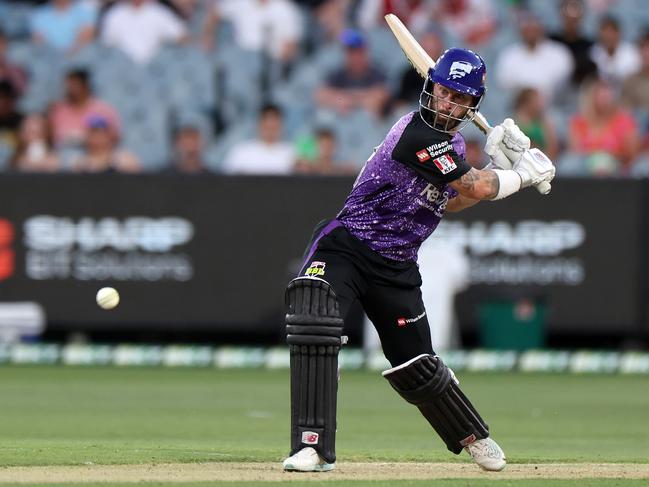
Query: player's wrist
[(526, 178), (509, 182)]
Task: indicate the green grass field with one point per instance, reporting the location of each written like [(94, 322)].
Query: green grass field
[(57, 416)]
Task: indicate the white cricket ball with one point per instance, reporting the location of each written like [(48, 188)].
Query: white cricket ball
[(107, 297)]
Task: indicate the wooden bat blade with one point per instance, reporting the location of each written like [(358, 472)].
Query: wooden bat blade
[(416, 54)]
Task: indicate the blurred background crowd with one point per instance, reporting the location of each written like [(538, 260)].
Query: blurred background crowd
[(309, 86)]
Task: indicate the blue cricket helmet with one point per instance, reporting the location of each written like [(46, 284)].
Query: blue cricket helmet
[(461, 70)]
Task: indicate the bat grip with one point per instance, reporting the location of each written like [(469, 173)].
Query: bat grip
[(543, 187)]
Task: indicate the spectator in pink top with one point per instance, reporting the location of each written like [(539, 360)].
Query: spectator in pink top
[(602, 127), (68, 116)]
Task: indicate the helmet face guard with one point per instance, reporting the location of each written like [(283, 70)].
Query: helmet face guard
[(460, 70)]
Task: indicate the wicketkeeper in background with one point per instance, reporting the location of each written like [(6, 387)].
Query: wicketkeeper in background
[(369, 253)]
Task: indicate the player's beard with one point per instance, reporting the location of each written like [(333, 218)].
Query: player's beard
[(449, 119)]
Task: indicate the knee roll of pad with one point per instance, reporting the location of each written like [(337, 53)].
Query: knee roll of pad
[(431, 386), (314, 335)]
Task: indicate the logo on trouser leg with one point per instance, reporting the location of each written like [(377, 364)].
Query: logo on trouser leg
[(468, 440), (405, 321), (310, 437), (316, 269)]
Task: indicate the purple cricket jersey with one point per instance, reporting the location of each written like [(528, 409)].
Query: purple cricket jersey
[(401, 194)]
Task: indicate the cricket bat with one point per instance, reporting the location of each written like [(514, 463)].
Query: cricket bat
[(422, 62)]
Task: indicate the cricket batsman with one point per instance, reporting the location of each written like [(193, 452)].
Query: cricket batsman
[(369, 253)]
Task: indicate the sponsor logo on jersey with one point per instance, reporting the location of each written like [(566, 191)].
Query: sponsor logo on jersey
[(433, 150), (423, 155), (405, 321), (445, 164), (6, 252), (315, 269), (459, 69), (310, 437)]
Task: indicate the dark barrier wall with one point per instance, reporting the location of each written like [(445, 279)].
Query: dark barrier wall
[(182, 251), (215, 251), (580, 250)]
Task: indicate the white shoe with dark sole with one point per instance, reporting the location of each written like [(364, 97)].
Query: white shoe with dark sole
[(487, 454)]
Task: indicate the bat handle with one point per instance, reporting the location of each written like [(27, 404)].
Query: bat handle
[(543, 187)]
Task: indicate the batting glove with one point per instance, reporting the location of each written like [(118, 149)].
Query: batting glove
[(534, 167), (493, 149), (514, 142)]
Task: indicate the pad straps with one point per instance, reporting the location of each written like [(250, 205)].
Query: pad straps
[(431, 386)]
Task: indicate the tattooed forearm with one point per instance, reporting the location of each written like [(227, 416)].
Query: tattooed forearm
[(478, 184), (492, 181), (468, 180)]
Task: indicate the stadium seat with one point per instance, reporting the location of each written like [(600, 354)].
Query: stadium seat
[(14, 18), (147, 133)]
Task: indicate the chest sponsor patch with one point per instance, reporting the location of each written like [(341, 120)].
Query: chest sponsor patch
[(445, 164), (423, 155)]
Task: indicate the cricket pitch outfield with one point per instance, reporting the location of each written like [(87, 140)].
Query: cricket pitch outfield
[(114, 426)]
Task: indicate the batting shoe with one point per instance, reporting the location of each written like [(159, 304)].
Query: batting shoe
[(487, 454), (307, 460)]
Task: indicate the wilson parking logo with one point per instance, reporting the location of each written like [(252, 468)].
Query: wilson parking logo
[(423, 155), (7, 254)]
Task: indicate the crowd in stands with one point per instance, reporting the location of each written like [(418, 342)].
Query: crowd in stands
[(307, 86)]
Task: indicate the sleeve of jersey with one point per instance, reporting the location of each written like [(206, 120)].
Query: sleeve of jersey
[(436, 162)]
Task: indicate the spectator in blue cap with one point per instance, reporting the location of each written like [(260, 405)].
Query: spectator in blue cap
[(358, 83), (101, 151)]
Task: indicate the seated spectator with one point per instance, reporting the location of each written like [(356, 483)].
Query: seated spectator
[(34, 152), (358, 84), (472, 20), (267, 154), (325, 22), (603, 127), (100, 150), (323, 158), (535, 62), (140, 27), (635, 89), (415, 14), (65, 25), (188, 153), (9, 71), (259, 25), (411, 82), (616, 59), (10, 118), (529, 113), (571, 36), (68, 116)]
